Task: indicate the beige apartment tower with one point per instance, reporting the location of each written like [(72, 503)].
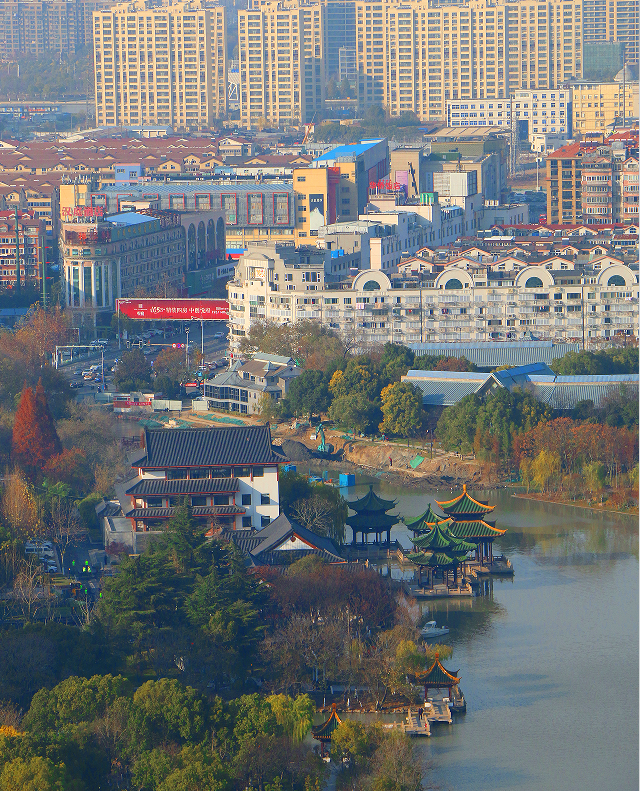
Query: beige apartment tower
[(161, 64), (613, 20), (282, 47), (413, 56)]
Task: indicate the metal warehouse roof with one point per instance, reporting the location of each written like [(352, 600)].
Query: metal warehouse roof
[(492, 355), (348, 150), (445, 388)]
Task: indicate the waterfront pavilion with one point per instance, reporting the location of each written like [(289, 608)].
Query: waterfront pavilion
[(371, 517), (468, 522)]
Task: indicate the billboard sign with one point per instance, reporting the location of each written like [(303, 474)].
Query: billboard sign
[(150, 309)]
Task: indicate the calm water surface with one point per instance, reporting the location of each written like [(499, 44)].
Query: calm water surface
[(548, 660)]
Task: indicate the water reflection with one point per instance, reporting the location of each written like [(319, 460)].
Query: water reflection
[(537, 653)]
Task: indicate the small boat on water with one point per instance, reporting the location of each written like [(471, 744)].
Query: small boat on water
[(430, 630)]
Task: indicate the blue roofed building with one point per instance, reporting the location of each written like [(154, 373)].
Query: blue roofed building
[(359, 165)]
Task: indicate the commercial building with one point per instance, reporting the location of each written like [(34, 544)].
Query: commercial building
[(105, 259), (26, 242), (340, 58), (240, 389), (229, 475), (282, 46), (37, 26), (161, 64), (415, 56), (593, 182), (597, 107), (465, 301), (529, 113)]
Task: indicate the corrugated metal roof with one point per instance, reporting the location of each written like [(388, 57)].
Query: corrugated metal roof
[(445, 376), (492, 355), (438, 392)]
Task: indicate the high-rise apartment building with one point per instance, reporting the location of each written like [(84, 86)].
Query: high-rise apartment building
[(282, 47), (341, 22), (414, 56), (613, 20), (38, 26), (161, 64)]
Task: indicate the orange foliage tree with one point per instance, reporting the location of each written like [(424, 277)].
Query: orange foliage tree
[(579, 443), (34, 440)]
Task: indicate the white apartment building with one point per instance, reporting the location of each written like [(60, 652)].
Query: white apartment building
[(161, 63), (531, 113), (468, 301)]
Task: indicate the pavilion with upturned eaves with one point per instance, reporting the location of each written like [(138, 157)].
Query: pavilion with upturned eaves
[(424, 522), (441, 554), (468, 522), (324, 732), (371, 517), (437, 677)]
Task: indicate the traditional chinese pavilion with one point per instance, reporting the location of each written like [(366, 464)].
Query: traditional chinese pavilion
[(371, 517), (437, 677), (441, 554), (424, 522), (324, 732), (469, 523)]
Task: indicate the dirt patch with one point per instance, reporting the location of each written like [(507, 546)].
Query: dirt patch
[(296, 451)]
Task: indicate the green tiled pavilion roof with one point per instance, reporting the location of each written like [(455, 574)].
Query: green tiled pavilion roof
[(422, 523), (435, 559), (475, 529), (371, 502), (437, 676), (441, 537), (325, 730), (464, 504)]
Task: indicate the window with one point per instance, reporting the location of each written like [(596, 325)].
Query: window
[(265, 521), (242, 472), (224, 472), (246, 499), (200, 500), (198, 472), (533, 282), (246, 521), (258, 472), (453, 284), (265, 499)]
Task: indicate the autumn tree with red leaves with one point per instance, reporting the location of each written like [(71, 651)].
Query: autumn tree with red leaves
[(35, 440)]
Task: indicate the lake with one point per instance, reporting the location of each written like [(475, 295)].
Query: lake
[(548, 660)]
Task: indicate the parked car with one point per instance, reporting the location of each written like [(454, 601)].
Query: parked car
[(218, 334), (76, 384)]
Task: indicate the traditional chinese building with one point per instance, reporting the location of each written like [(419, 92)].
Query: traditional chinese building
[(437, 677), (442, 555), (469, 523), (228, 475), (371, 517), (324, 732), (424, 522)]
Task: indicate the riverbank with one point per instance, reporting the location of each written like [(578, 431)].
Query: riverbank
[(584, 504)]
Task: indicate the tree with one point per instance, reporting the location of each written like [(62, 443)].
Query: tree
[(308, 394), (171, 363), (133, 371), (595, 475), (20, 507), (401, 409), (359, 377), (457, 425), (268, 407), (310, 343), (34, 440), (396, 361), (545, 468), (354, 411), (324, 512), (64, 524), (36, 774)]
